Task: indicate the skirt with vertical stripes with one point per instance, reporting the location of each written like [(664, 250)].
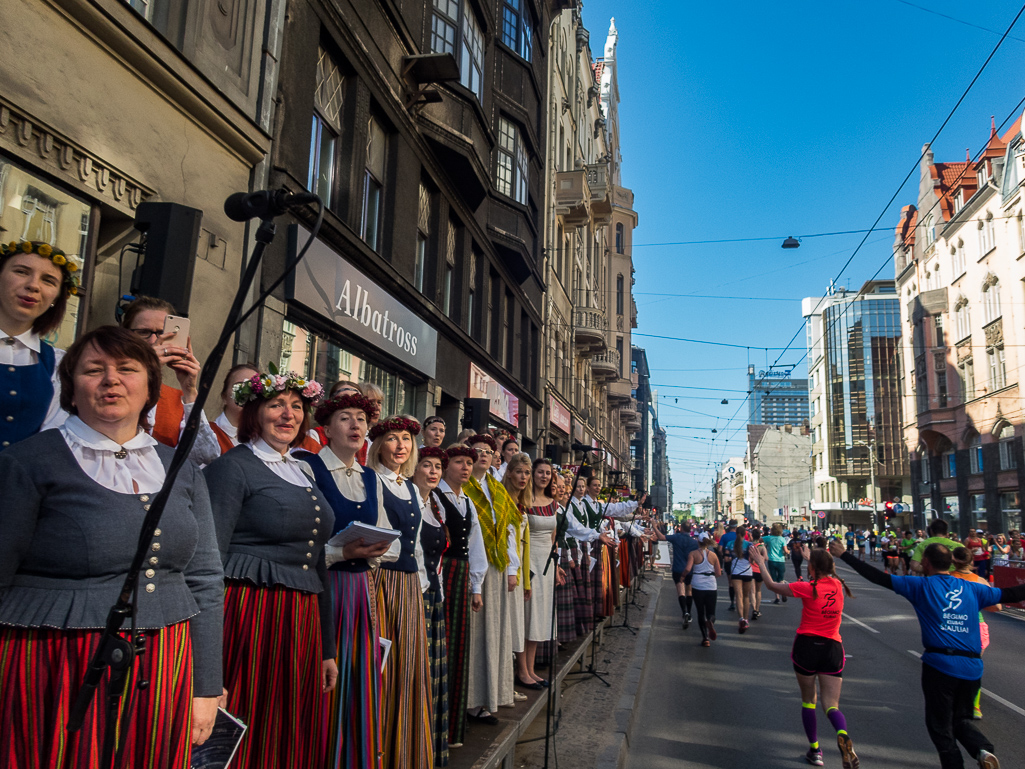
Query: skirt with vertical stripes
[(437, 655), (609, 582), (456, 576), (624, 562), (583, 594), (272, 661), (41, 671), (405, 684), (565, 602), (353, 713)]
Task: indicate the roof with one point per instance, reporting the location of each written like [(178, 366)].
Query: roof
[(906, 225), (599, 67)]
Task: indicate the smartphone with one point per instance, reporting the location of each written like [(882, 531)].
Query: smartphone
[(180, 328)]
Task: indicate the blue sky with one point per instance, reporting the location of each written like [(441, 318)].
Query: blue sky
[(769, 120)]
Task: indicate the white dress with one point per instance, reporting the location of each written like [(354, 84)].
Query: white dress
[(542, 586)]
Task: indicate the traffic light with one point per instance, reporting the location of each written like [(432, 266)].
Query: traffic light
[(889, 509)]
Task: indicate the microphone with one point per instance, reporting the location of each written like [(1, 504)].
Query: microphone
[(583, 447), (264, 204)]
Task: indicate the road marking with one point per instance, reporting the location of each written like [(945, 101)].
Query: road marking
[(988, 693), (857, 621)]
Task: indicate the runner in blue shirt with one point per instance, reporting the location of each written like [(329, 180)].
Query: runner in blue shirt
[(683, 545), (948, 614)]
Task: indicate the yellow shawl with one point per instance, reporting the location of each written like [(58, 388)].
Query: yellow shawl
[(494, 519)]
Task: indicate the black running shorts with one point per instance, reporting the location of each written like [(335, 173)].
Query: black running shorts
[(813, 654)]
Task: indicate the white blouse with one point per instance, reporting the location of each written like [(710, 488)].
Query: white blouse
[(140, 472), (25, 352), (285, 466), (229, 429)]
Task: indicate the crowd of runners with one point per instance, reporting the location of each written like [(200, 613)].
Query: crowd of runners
[(938, 574)]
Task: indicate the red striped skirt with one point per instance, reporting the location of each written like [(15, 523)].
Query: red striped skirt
[(624, 563), (456, 576), (272, 673), (40, 674)]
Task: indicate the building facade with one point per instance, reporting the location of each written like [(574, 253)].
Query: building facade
[(777, 456), (855, 407), (957, 258), (775, 398)]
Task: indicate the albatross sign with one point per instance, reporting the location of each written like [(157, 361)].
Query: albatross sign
[(332, 287)]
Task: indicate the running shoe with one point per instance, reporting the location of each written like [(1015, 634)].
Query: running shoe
[(784, 599), (711, 630), (850, 758), (705, 642), (977, 713), (756, 614), (814, 757), (777, 600), (744, 625), (731, 607), (987, 760), (686, 620)]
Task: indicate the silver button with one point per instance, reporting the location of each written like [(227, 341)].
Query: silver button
[(150, 587), (10, 419), (312, 543), (305, 567), (156, 546), (154, 560), (317, 508), (156, 532), (150, 573), (14, 392), (6, 444), (309, 489), (11, 369), (309, 555), (145, 507), (358, 506), (314, 532), (144, 498), (316, 520), (313, 498)]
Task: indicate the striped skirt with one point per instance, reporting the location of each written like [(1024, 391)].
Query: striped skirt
[(456, 576), (40, 674), (272, 661), (352, 714), (609, 583), (437, 656), (565, 602), (583, 593), (405, 684), (625, 556)]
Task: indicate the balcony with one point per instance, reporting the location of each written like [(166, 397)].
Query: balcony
[(619, 391), (589, 329), (572, 197), (598, 188), (605, 365)]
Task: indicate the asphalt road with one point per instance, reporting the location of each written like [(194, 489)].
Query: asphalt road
[(736, 704)]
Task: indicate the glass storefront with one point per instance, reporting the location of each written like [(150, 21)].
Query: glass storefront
[(951, 512), (978, 519), (33, 209), (1010, 503), (327, 363)]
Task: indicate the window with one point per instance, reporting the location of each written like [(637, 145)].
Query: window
[(957, 258), (450, 267), (997, 369), (938, 338), (966, 373), (423, 232), (517, 32), (930, 230), (327, 120), (471, 57), (948, 465), (982, 175), (619, 350), (962, 320), (991, 300), (940, 366), (445, 26), (510, 329), (925, 468), (959, 200), (512, 172), (619, 294), (1021, 233), (1007, 458), (987, 235), (373, 184), (469, 322), (975, 455), (620, 245)]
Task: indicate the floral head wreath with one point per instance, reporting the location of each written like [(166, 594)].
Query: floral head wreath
[(395, 424), (433, 452), (482, 438), (272, 384), (459, 451), (70, 265), (349, 401)]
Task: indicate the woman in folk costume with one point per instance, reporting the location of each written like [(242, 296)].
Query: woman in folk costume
[(463, 565), (406, 689), (353, 727), (565, 591), (272, 524), (145, 318), (433, 542), (35, 283), (491, 648), (74, 503), (581, 570), (542, 518), (516, 479), (225, 427)]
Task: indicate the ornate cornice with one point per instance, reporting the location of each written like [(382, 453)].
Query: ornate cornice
[(42, 147)]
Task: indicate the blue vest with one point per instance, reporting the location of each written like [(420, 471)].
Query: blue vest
[(25, 395), (404, 516), (433, 541), (346, 511)]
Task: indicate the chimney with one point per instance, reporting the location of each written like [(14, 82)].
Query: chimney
[(788, 428)]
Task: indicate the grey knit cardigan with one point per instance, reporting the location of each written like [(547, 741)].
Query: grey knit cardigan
[(66, 543)]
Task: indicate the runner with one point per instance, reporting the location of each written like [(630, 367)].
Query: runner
[(702, 569), (891, 552), (937, 535), (683, 545), (797, 555), (775, 546), (963, 562), (849, 540), (977, 543), (726, 557), (907, 547), (756, 542), (948, 614), (873, 540), (818, 653), (742, 578)]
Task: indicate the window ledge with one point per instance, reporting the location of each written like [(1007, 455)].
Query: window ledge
[(987, 253)]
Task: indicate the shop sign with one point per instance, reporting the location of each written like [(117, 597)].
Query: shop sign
[(503, 404), (558, 414), (330, 286)]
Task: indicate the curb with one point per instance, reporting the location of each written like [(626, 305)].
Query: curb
[(614, 756)]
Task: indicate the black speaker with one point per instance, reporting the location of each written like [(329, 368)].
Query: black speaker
[(171, 234), (475, 413)]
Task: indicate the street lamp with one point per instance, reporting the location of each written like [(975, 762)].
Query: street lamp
[(872, 471)]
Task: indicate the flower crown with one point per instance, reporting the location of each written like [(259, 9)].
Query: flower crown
[(461, 451), (483, 438), (350, 401), (272, 384), (69, 264), (395, 424), (433, 452)]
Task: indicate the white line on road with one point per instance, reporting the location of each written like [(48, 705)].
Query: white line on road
[(988, 693), (857, 621)]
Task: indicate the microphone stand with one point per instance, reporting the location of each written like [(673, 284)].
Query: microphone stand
[(113, 651)]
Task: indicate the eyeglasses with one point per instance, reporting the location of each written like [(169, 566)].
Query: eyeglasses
[(485, 452), (146, 333)]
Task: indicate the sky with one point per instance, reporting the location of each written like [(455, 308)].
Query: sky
[(766, 120)]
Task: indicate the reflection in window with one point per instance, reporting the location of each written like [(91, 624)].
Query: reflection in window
[(517, 32), (512, 171), (373, 184), (327, 109)]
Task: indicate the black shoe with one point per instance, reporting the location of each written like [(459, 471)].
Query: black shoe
[(532, 685), (732, 607), (543, 683), (686, 620), (777, 600), (784, 599), (756, 614), (489, 719)]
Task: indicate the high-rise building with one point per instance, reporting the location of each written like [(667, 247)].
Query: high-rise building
[(776, 399)]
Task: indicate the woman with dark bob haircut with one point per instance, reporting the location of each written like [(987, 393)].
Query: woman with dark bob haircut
[(272, 524), (35, 282), (74, 501)]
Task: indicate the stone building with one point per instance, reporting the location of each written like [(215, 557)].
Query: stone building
[(957, 258)]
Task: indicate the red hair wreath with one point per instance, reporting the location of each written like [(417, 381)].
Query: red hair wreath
[(395, 424)]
